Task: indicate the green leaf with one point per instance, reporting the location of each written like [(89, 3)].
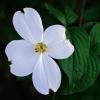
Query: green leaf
[(90, 75), (83, 67), (89, 25), (93, 65), (64, 88), (96, 49), (95, 39), (71, 16), (57, 13), (95, 34), (74, 66)]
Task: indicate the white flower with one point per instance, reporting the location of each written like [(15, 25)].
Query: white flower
[(34, 53)]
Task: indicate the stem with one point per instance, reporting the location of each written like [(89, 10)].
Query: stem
[(82, 12), (53, 98)]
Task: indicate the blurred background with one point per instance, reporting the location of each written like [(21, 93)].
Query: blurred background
[(15, 88)]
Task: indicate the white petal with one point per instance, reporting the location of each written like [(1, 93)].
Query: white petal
[(40, 78), (52, 72), (22, 68), (23, 57), (21, 26), (28, 25), (34, 22), (54, 34), (61, 50)]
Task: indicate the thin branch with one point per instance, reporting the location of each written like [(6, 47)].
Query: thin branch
[(53, 98), (82, 12)]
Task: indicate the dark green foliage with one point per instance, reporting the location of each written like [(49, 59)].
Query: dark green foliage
[(57, 13), (66, 17), (78, 60), (70, 15), (92, 13)]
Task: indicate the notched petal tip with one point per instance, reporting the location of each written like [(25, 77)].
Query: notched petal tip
[(17, 13), (28, 8), (53, 73)]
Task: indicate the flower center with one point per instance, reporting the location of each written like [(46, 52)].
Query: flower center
[(40, 47)]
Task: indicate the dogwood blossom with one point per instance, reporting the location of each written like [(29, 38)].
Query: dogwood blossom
[(35, 52)]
